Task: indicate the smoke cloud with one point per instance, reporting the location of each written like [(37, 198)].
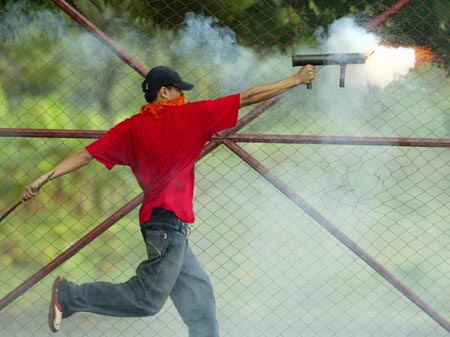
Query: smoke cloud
[(203, 43), (385, 64), (24, 25), (215, 49), (211, 46), (19, 20)]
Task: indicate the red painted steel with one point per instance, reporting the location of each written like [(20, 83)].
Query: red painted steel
[(341, 140), (89, 26), (383, 17), (246, 138), (50, 133)]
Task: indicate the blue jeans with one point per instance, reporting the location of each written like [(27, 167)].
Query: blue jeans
[(170, 270)]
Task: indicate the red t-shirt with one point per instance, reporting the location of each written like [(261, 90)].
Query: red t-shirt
[(162, 151)]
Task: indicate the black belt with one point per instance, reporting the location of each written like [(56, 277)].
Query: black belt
[(164, 219)]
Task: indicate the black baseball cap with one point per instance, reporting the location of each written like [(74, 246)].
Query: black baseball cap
[(162, 76)]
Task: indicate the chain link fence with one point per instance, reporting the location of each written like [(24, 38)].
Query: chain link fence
[(324, 213)]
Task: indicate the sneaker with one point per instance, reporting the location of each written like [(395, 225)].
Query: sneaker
[(55, 311)]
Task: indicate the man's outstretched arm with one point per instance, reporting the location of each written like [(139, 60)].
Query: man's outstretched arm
[(264, 92), (69, 164)]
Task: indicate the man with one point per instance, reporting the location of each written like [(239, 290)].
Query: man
[(161, 145)]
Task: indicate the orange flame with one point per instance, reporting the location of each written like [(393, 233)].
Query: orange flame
[(423, 55)]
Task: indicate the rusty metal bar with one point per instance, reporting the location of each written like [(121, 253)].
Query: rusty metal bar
[(337, 233), (67, 254), (51, 133), (383, 17), (247, 138), (341, 140), (89, 26)]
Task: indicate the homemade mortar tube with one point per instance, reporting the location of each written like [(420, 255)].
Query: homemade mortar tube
[(341, 59)]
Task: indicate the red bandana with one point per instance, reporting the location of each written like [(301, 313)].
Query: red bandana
[(153, 109)]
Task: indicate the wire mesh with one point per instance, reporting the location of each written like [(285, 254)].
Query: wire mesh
[(275, 270)]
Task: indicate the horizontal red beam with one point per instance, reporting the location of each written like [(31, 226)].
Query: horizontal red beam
[(50, 133), (248, 138), (341, 140)]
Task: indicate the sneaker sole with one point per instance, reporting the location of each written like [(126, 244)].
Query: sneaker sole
[(54, 314)]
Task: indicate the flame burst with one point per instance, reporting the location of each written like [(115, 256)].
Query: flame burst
[(423, 55), (384, 55), (386, 64)]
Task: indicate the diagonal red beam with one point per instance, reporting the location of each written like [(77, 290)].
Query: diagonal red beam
[(387, 14), (338, 234), (89, 26), (67, 254)]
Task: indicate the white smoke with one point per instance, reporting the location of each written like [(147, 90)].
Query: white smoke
[(384, 66), (211, 43), (87, 54), (210, 55), (345, 36), (24, 25), (388, 64), (19, 20), (214, 48)]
